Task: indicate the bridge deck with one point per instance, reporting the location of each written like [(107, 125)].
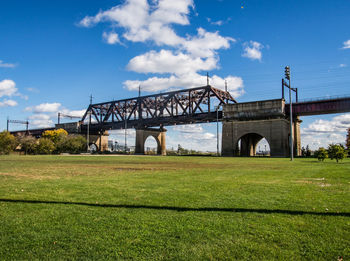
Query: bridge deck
[(317, 107)]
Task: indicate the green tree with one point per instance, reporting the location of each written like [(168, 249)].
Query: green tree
[(44, 146), (336, 151), (7, 142), (321, 154), (308, 151), (28, 144), (72, 144)]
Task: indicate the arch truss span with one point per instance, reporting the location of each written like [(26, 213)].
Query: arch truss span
[(157, 134)]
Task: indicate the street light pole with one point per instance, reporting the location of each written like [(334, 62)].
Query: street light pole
[(125, 129), (287, 75), (217, 130), (88, 132)]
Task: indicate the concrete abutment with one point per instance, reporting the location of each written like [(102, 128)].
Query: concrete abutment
[(250, 122)]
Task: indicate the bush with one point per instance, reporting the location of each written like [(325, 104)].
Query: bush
[(7, 142), (72, 144), (28, 144), (336, 151), (321, 154), (44, 146), (55, 135)]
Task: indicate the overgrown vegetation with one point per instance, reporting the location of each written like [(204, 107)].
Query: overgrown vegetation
[(51, 142), (173, 208), (7, 142)]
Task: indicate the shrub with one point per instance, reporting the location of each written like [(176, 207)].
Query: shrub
[(28, 144), (44, 146), (55, 135), (7, 142), (321, 154), (72, 144), (336, 151)]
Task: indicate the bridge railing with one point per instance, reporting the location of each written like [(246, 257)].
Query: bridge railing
[(324, 98)]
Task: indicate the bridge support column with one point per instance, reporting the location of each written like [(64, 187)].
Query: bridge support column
[(297, 139), (143, 134), (245, 124), (100, 141), (275, 131)]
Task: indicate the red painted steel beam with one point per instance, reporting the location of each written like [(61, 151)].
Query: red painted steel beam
[(326, 106)]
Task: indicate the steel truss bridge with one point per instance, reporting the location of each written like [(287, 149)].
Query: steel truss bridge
[(196, 105)]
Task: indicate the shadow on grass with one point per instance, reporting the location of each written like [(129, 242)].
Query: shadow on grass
[(182, 209)]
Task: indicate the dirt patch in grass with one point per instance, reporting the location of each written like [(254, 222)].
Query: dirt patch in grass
[(31, 176)]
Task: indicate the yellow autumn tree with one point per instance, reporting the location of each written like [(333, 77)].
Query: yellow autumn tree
[(55, 135)]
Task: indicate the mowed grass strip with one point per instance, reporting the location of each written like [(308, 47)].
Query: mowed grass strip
[(182, 208)]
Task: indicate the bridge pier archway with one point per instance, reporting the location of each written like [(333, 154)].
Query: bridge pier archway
[(157, 134), (275, 131), (248, 144)]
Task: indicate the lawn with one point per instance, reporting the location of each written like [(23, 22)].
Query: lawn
[(180, 208)]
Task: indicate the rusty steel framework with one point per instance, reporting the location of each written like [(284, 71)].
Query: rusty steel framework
[(194, 105)]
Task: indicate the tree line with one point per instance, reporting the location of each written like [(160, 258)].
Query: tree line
[(50, 142)]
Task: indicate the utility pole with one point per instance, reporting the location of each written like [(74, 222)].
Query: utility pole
[(88, 128), (139, 90), (217, 129), (125, 128), (207, 79), (288, 85), (19, 122)]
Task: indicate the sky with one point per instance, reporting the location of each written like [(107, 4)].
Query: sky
[(55, 54)]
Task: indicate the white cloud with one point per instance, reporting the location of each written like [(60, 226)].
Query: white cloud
[(45, 107), (41, 120), (166, 61), (154, 84), (206, 43), (7, 65), (252, 50), (191, 128), (33, 90), (186, 75), (45, 114), (7, 88), (323, 132), (143, 21), (8, 103), (219, 22), (74, 113), (346, 44), (111, 37)]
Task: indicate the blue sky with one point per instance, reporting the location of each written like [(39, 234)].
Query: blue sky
[(54, 54)]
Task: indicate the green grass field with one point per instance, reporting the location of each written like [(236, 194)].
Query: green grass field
[(180, 208)]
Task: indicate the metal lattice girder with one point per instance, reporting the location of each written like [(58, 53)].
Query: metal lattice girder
[(176, 107)]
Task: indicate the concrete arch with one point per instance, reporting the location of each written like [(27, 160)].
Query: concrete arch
[(249, 142), (157, 134), (275, 131), (152, 138)]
